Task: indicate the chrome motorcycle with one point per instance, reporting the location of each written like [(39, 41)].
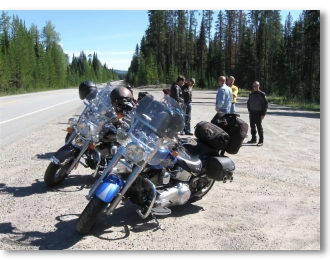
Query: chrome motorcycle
[(165, 171), (91, 136)]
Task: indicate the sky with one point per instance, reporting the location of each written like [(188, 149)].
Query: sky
[(112, 32)]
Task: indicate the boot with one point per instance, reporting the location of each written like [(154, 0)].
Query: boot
[(252, 141)]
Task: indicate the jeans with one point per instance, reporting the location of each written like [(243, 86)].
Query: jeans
[(232, 109), (186, 128)]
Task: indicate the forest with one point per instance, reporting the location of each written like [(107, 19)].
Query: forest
[(33, 60), (249, 45)]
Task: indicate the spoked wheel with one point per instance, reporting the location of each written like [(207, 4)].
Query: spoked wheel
[(201, 185), (55, 174), (90, 214)]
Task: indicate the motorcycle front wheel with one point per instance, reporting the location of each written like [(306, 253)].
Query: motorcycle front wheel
[(90, 214), (55, 174)]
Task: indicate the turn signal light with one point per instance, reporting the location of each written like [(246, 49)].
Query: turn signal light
[(91, 146), (175, 153), (120, 115), (69, 129)]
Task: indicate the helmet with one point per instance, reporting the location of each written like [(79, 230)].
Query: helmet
[(129, 88), (87, 88), (121, 99)]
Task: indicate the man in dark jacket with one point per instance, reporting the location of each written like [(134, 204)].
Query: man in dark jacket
[(187, 98), (176, 92), (257, 105)]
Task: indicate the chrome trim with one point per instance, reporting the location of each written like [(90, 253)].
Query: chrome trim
[(152, 186), (126, 164), (53, 159), (82, 151), (131, 178), (71, 137), (98, 155), (105, 173)]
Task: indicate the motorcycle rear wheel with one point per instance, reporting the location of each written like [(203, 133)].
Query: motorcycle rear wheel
[(55, 174), (90, 214)]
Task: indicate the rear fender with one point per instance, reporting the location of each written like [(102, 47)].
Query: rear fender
[(109, 188)]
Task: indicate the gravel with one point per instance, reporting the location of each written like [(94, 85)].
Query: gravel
[(272, 204)]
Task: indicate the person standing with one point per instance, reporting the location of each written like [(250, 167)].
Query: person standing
[(187, 98), (234, 89), (224, 96), (257, 106), (176, 92)]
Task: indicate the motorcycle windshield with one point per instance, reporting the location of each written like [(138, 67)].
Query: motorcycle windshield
[(97, 112), (152, 125)]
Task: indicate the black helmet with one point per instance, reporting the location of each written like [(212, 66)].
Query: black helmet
[(87, 87), (121, 99)]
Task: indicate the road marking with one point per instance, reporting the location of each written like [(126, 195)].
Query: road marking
[(37, 111), (9, 102)]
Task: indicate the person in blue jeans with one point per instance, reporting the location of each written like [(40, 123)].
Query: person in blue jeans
[(187, 98), (224, 96)]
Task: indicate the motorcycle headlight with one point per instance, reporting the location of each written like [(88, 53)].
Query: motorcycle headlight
[(83, 127), (72, 121), (134, 153)]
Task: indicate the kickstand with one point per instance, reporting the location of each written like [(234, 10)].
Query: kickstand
[(161, 227)]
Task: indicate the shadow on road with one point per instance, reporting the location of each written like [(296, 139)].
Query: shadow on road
[(39, 186), (43, 156), (65, 235)]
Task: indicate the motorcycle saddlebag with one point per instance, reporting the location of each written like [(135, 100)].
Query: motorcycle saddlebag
[(211, 135), (235, 127), (220, 168)]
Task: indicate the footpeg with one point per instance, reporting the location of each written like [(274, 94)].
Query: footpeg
[(161, 211)]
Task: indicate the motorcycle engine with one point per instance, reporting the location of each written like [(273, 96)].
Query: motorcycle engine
[(177, 195)]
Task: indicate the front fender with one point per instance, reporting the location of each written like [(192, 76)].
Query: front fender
[(109, 188), (64, 152)]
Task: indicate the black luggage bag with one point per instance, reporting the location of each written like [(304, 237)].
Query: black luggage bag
[(211, 135), (235, 127)]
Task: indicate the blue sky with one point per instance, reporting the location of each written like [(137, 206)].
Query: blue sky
[(110, 29)]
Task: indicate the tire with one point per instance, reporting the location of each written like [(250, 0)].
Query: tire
[(54, 174), (199, 195), (90, 214)]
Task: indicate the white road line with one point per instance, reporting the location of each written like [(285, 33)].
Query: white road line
[(37, 111), (36, 93)]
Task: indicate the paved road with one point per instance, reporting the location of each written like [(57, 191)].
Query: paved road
[(23, 114)]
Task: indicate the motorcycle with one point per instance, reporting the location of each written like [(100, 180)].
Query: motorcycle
[(91, 137), (165, 171)]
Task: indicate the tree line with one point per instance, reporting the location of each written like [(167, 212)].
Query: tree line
[(249, 45), (32, 60)]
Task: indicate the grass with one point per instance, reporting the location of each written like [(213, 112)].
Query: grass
[(283, 101)]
